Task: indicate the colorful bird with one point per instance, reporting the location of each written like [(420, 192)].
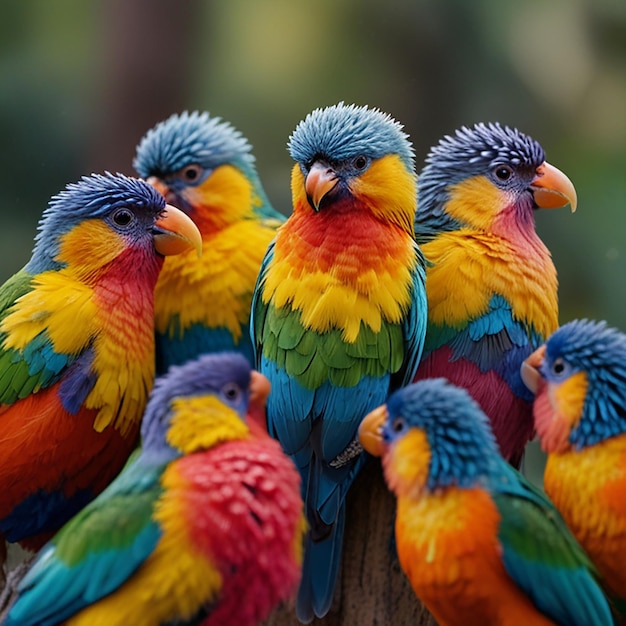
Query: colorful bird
[(205, 524), (479, 543), (205, 167), (77, 348), (491, 282), (579, 376), (339, 313)]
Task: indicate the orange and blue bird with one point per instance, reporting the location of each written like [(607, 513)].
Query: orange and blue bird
[(491, 283), (339, 313), (478, 542), (203, 526), (205, 167), (77, 348), (579, 377)]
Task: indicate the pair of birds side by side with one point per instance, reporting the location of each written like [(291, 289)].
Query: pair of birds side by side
[(478, 542), (203, 526)]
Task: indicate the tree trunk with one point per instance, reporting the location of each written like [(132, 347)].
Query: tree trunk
[(372, 589), (147, 49)]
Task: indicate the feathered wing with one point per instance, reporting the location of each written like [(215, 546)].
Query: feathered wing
[(492, 341), (414, 326), (258, 309), (542, 556), (38, 365), (484, 354), (94, 553)]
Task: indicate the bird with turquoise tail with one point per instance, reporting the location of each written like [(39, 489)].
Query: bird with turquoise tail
[(339, 313), (579, 378), (491, 282), (77, 348), (205, 167), (479, 543), (204, 525)]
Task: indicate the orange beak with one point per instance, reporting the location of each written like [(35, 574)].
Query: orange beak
[(158, 184), (371, 431), (319, 181), (175, 232), (553, 189), (260, 388), (530, 369)]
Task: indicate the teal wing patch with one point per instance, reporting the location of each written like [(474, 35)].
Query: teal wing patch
[(542, 556), (94, 553), (38, 365)]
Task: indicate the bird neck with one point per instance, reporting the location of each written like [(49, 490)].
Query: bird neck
[(339, 256)]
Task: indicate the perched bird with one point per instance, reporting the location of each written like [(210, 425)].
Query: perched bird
[(479, 543), (579, 376), (203, 526), (339, 312), (205, 167), (77, 348), (491, 282)]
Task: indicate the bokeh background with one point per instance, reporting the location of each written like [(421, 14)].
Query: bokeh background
[(80, 82)]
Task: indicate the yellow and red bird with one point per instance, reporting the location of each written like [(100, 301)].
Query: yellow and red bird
[(205, 167), (77, 348), (491, 283), (339, 313), (579, 377)]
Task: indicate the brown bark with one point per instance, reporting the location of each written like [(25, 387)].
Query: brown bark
[(372, 589)]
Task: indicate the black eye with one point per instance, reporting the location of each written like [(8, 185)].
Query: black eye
[(123, 217), (360, 162), (558, 367), (503, 172), (191, 173), (398, 425), (231, 392)]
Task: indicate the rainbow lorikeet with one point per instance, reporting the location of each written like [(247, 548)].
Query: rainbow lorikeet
[(579, 376), (204, 525), (204, 166), (77, 348), (339, 313), (478, 542), (491, 282)]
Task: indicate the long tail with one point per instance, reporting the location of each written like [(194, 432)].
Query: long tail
[(322, 557), (325, 489)]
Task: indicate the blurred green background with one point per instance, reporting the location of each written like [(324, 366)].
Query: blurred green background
[(82, 81)]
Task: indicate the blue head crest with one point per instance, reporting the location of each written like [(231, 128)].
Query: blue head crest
[(462, 444), (93, 197), (343, 131), (470, 152), (473, 151), (599, 351), (190, 138)]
